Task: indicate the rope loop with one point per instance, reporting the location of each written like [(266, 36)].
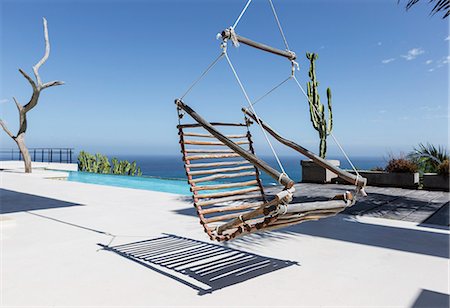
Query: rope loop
[(282, 209), (281, 175), (295, 66), (233, 37)]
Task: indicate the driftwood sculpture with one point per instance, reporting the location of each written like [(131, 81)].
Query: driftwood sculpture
[(37, 86), (223, 170)]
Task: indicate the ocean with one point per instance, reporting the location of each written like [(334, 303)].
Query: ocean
[(172, 166)]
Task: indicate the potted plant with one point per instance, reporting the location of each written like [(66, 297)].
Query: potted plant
[(311, 172), (399, 172), (433, 165), (438, 180)]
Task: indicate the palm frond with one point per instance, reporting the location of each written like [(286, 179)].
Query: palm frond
[(428, 156), (439, 6)]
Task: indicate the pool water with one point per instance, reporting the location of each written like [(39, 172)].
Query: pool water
[(174, 186)]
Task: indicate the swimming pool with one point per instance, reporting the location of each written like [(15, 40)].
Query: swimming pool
[(173, 186)]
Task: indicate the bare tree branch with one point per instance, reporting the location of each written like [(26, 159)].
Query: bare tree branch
[(33, 101), (18, 105), (6, 129), (31, 81), (52, 83), (46, 54)]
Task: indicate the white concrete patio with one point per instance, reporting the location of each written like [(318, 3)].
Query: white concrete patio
[(51, 232)]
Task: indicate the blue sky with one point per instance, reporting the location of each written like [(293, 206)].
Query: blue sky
[(124, 63)]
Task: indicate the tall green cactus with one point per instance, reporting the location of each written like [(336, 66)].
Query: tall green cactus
[(316, 108)]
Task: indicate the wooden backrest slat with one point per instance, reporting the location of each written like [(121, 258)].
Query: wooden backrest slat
[(224, 186), (228, 193), (211, 136), (217, 164), (211, 156), (220, 170), (210, 143), (229, 208), (227, 199), (222, 176)]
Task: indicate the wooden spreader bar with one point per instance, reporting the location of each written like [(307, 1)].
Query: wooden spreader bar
[(227, 35)]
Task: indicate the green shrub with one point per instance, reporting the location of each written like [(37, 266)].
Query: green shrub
[(401, 165), (443, 168), (428, 157)]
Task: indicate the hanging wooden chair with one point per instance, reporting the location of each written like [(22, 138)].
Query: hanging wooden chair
[(223, 170), (223, 174)]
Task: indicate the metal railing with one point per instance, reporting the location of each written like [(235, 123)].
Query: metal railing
[(58, 155)]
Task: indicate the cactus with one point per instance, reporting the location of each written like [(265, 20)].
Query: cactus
[(115, 166), (99, 163), (133, 168), (316, 108), (82, 161), (103, 164)]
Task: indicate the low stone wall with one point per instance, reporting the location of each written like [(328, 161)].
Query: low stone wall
[(18, 165), (388, 179), (433, 181)]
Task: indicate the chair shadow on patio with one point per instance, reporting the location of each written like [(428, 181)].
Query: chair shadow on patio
[(202, 266)]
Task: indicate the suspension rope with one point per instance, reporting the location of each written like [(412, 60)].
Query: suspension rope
[(279, 24), (273, 89), (331, 133), (203, 74), (254, 112), (241, 14), (292, 76)]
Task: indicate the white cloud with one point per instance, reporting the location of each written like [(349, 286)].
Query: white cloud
[(4, 100), (447, 38), (428, 62), (428, 108), (440, 63), (386, 61), (413, 53)]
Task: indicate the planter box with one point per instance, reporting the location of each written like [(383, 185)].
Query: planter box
[(391, 179), (434, 181), (313, 173)]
